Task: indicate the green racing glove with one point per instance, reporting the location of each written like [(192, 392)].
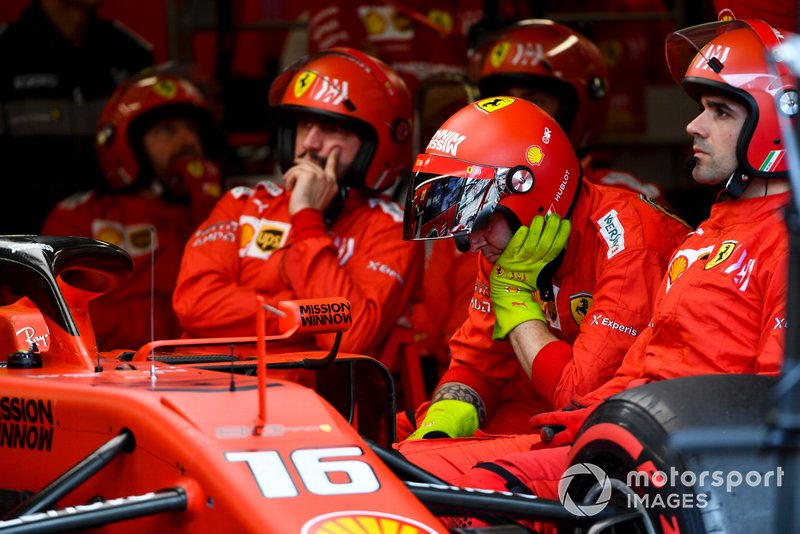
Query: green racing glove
[(448, 418), (514, 276)]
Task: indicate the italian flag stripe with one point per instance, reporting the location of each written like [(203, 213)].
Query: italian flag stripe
[(772, 160)]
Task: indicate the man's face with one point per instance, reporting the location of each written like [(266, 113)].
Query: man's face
[(492, 239), (715, 131), (169, 140), (316, 139)]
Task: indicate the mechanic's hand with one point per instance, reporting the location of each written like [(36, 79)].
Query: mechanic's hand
[(513, 277), (532, 248), (311, 185), (448, 418), (198, 178), (561, 427)]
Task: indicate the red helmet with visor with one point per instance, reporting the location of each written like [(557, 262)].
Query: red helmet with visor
[(359, 92), (544, 55), (730, 57), (481, 161)]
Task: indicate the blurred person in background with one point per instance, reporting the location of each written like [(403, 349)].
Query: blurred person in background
[(61, 62), (156, 141)]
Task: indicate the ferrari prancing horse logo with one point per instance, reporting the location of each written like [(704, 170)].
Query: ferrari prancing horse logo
[(303, 82), (579, 305), (724, 252), (493, 104)]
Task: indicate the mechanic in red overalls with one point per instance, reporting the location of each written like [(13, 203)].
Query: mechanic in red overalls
[(153, 140), (565, 74), (594, 302), (328, 232), (721, 306)]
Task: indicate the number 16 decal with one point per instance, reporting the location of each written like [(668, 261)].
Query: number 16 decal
[(315, 467)]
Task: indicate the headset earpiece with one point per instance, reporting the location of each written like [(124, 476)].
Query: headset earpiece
[(598, 88), (399, 130)]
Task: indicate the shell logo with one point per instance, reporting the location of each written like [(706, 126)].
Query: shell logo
[(304, 80), (499, 53), (534, 155), (109, 235), (246, 235), (374, 23), (677, 267), (165, 89), (358, 522)]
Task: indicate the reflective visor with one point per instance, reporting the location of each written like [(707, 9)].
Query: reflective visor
[(689, 48), (449, 196)]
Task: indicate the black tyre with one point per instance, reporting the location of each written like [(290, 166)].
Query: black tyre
[(681, 492)]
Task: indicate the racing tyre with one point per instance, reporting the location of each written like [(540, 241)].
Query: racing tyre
[(628, 438)]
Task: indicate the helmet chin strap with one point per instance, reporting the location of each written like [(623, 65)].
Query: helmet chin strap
[(334, 209), (737, 183)]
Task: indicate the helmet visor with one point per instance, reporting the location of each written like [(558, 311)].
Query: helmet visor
[(690, 49), (449, 196)]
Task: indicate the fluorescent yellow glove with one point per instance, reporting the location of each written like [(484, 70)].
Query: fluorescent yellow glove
[(514, 276), (447, 418)]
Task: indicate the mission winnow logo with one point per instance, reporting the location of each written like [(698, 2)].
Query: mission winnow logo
[(336, 313)]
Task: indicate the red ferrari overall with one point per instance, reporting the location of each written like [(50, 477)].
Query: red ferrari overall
[(616, 255), (736, 262), (250, 246)]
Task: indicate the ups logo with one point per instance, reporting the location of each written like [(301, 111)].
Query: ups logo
[(140, 239), (269, 239)]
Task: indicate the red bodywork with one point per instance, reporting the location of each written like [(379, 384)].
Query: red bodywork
[(283, 461)]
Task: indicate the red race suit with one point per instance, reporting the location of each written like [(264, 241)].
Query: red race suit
[(603, 294), (121, 317), (251, 246)]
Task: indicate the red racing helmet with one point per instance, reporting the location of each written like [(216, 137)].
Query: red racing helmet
[(542, 54), (481, 161), (730, 57), (359, 92), (136, 105)]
